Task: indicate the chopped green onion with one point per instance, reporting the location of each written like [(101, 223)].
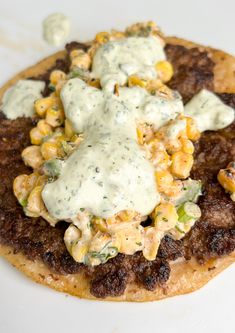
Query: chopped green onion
[(178, 229), (191, 190), (23, 202), (188, 211), (81, 73), (105, 254), (51, 87), (52, 167)]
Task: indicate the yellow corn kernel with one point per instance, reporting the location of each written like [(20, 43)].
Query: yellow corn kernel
[(56, 76), (166, 183), (226, 178), (60, 138), (117, 35), (49, 150), (35, 203), (94, 83), (76, 139), (41, 180), (164, 179), (140, 136), (152, 238), (136, 81), (80, 59), (44, 128), (153, 85), (165, 92), (126, 215), (21, 189), (99, 224), (161, 160), (102, 37), (130, 239), (111, 220), (165, 216), (181, 164), (41, 105), (32, 156), (165, 70), (192, 131), (187, 146), (79, 250), (54, 116), (69, 132), (35, 136), (58, 87)]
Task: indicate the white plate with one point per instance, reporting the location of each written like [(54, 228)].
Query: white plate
[(26, 307)]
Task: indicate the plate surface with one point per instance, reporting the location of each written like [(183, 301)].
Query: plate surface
[(26, 307)]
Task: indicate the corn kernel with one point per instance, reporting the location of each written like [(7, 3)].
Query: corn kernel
[(102, 37), (161, 160), (226, 178), (187, 146), (49, 150), (165, 70), (69, 132), (20, 188), (126, 215), (140, 136), (35, 203), (32, 156), (94, 83), (56, 76), (54, 116), (164, 180), (35, 136), (191, 129), (41, 105), (80, 59), (79, 251), (99, 224), (41, 180), (165, 216), (136, 81), (117, 35), (152, 239), (181, 164), (44, 128)]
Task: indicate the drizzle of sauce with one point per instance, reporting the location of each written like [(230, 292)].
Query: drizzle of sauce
[(108, 172), (116, 60), (209, 112), (18, 101), (56, 28)]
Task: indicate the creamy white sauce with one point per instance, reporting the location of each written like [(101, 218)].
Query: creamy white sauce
[(18, 101), (56, 28), (116, 60), (109, 171), (209, 112), (82, 104)]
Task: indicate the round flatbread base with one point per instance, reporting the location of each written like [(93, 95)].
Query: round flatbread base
[(186, 276)]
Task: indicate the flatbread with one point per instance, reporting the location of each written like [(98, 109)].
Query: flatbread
[(185, 276)]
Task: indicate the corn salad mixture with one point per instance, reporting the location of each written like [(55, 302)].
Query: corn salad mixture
[(91, 239)]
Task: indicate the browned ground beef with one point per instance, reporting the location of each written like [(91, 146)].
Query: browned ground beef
[(193, 70), (212, 236)]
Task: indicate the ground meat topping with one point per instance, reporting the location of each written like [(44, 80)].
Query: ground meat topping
[(193, 70)]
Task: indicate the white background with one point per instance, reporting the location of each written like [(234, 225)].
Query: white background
[(27, 307)]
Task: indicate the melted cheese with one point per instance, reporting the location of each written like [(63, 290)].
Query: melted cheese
[(18, 101), (209, 112), (115, 61), (109, 171)]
